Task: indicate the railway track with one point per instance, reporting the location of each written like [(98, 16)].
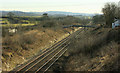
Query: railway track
[(47, 57)]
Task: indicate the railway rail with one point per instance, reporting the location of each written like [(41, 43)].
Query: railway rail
[(47, 57)]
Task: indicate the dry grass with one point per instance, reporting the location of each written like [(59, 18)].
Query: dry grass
[(88, 42), (103, 60), (96, 51), (93, 50), (20, 47)]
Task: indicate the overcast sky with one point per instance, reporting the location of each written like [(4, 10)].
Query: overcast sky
[(80, 6)]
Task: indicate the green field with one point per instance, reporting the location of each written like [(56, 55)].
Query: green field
[(16, 25), (8, 24)]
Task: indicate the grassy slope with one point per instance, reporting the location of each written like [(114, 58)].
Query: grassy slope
[(94, 50), (18, 48)]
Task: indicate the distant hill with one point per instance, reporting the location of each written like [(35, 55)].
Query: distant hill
[(50, 13), (20, 13), (68, 13)]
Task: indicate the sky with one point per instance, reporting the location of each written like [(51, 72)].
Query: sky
[(77, 6)]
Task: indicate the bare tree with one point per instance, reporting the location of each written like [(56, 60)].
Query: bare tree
[(109, 11), (117, 15)]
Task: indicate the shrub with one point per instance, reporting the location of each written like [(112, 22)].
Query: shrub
[(87, 43), (50, 23)]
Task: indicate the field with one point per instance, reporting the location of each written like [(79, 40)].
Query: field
[(6, 23), (16, 25)]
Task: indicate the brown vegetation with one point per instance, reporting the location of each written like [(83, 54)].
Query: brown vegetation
[(20, 47), (28, 41), (93, 50)]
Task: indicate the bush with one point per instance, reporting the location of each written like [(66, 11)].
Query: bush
[(50, 23), (87, 43), (19, 41), (27, 39)]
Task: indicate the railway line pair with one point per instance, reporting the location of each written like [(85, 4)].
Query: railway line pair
[(47, 57)]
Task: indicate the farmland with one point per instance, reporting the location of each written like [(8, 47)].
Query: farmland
[(6, 23)]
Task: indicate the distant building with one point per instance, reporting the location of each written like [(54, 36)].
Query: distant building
[(116, 23), (12, 30), (119, 3)]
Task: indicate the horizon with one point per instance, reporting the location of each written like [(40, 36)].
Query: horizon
[(74, 6), (48, 11)]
